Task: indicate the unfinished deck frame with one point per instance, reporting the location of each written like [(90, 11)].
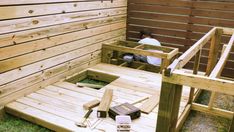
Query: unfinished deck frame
[(174, 78), (167, 54)]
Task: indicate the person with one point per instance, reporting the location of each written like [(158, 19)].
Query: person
[(146, 38)]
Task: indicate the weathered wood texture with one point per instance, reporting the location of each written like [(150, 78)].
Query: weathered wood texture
[(168, 107), (42, 42), (181, 23)]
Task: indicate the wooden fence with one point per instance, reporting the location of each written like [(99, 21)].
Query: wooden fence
[(180, 24), (44, 41)]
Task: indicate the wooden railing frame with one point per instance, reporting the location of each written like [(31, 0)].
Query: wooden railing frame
[(174, 78), (167, 54)]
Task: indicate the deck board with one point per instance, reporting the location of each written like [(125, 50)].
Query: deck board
[(59, 106)]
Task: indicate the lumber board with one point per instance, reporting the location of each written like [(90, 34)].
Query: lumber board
[(212, 111), (41, 23), (150, 104), (105, 103), (183, 117), (214, 48), (170, 98), (46, 9), (22, 2), (44, 82), (90, 47), (37, 77), (42, 118), (206, 83), (50, 35), (15, 62), (91, 104)]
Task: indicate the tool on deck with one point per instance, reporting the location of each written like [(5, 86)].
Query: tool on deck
[(84, 119), (125, 109)]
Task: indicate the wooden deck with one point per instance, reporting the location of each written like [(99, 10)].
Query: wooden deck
[(59, 106)]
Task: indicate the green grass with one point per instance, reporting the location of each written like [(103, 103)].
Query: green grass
[(13, 124)]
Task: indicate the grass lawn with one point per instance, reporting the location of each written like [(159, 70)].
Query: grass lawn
[(14, 124)]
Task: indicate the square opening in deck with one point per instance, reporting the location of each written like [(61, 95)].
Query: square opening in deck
[(92, 79)]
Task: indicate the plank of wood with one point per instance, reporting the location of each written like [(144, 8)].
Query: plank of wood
[(43, 64), (183, 117), (42, 118), (212, 111), (201, 82), (38, 85), (214, 48), (33, 43), (51, 23), (150, 104), (91, 104), (105, 103), (21, 2), (60, 49), (168, 107), (35, 78), (46, 9)]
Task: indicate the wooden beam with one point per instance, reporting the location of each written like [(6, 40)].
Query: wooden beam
[(183, 59), (195, 70), (106, 55), (91, 104), (150, 104), (227, 31), (214, 50), (222, 61), (147, 46), (212, 111), (183, 117), (219, 67), (105, 103), (201, 82), (134, 51), (168, 107)]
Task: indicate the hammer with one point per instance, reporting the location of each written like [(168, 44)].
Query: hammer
[(82, 122)]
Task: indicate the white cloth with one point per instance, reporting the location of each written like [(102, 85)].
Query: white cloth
[(152, 60)]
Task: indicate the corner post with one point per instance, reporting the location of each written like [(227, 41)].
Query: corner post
[(106, 55), (213, 53), (168, 107)]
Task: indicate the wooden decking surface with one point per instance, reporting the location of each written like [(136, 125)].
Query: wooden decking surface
[(59, 106)]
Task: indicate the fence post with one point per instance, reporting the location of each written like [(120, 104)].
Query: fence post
[(168, 107)]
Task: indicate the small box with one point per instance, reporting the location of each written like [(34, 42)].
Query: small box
[(125, 109)]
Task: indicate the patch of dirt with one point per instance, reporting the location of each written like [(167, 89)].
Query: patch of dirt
[(201, 122)]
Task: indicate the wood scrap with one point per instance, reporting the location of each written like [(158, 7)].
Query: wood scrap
[(91, 104), (105, 103), (150, 104), (89, 85)]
